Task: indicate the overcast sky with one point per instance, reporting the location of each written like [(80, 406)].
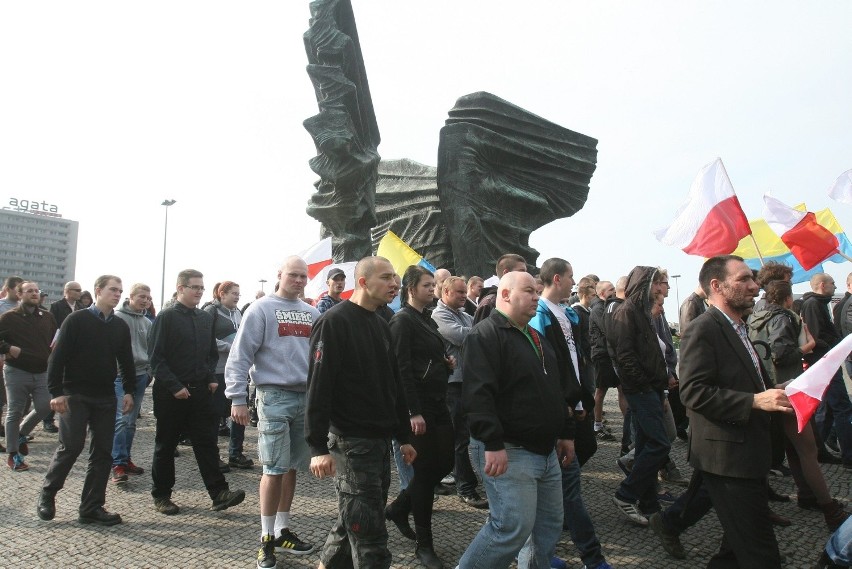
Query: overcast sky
[(108, 108)]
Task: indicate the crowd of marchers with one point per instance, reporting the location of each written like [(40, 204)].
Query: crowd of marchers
[(464, 387)]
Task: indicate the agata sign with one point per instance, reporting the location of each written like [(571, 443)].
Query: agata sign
[(28, 205)]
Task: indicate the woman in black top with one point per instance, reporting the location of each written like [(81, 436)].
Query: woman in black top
[(424, 368)]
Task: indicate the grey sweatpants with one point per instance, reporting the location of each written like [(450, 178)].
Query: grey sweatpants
[(20, 386)]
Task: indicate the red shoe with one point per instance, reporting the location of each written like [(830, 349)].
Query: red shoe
[(133, 469), (119, 476)]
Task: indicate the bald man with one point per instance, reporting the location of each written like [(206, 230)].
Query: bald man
[(516, 401), (355, 405), (272, 348)]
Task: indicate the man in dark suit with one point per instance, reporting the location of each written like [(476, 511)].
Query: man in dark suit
[(723, 389)]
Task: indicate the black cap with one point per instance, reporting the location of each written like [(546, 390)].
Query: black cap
[(334, 273)]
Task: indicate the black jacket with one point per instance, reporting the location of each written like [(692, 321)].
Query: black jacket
[(634, 346), (816, 315), (60, 310), (182, 348), (597, 337), (507, 394), (421, 359), (693, 307), (32, 333)]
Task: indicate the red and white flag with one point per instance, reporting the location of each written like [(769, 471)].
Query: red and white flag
[(808, 241), (711, 222), (318, 285), (806, 391), (317, 256), (841, 189)]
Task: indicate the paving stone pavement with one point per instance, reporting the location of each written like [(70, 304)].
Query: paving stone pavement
[(199, 537)]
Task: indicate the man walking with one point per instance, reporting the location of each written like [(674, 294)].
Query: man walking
[(515, 397), (133, 314), (183, 355), (355, 405), (271, 348), (724, 391), (642, 370), (26, 334), (81, 378), (454, 324), (61, 309)]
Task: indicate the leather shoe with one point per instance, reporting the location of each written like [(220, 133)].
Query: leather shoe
[(100, 517), (46, 507), (774, 496), (778, 520)]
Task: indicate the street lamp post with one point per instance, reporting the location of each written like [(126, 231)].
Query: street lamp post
[(677, 290), (262, 282), (166, 203)]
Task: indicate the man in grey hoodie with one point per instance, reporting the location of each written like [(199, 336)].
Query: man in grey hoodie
[(271, 347), (133, 313)]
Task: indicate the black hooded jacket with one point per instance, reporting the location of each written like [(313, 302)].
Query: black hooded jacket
[(630, 335), (815, 313)]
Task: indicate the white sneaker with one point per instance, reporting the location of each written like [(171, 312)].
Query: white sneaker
[(631, 512), (449, 479)]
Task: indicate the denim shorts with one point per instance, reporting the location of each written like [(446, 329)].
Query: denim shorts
[(281, 442)]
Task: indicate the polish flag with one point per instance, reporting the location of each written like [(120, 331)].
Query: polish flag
[(318, 285), (806, 391), (841, 189), (808, 241), (711, 222), (317, 257)]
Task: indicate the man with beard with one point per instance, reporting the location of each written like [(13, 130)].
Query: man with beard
[(723, 389)]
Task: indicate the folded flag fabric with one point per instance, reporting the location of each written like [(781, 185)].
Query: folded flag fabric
[(773, 249), (318, 285), (317, 256), (809, 242), (711, 222), (841, 189), (806, 391), (400, 255)]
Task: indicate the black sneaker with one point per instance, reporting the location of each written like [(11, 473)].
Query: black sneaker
[(240, 461), (266, 553), (166, 506), (227, 499), (474, 500), (289, 542), (223, 467), (50, 427)]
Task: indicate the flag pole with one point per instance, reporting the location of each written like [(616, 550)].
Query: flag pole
[(750, 234), (847, 257)]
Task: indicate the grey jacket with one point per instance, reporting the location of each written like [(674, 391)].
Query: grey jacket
[(454, 326), (139, 327)]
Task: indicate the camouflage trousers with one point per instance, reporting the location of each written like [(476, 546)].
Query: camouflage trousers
[(359, 538)]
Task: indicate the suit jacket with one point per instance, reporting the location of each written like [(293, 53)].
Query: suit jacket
[(61, 310), (717, 385)]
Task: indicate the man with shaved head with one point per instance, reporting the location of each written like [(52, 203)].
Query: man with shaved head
[(515, 397), (272, 348), (355, 405), (837, 406)]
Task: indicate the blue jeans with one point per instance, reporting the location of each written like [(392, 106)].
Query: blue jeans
[(125, 425), (525, 502), (839, 546), (577, 518), (652, 447)]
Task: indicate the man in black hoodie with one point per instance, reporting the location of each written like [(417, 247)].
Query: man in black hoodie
[(816, 314), (640, 365)]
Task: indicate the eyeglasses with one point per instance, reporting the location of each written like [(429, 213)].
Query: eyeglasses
[(31, 291), (196, 288)]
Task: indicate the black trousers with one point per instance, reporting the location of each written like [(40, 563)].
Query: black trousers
[(98, 414), (434, 460), (748, 541), (585, 442), (463, 472), (195, 417)]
